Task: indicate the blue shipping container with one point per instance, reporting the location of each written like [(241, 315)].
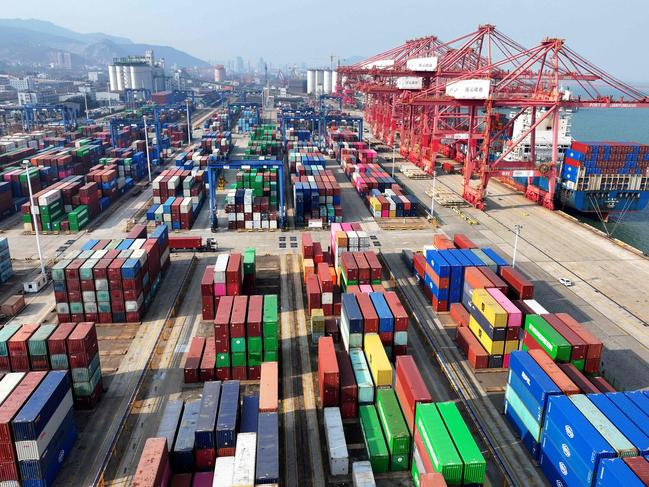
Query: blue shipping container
[(37, 411), (249, 414), (581, 437), (537, 383), (386, 321), (438, 263), (170, 421), (183, 452), (495, 257), (622, 422), (43, 471), (615, 473), (622, 401), (352, 312), (524, 434), (640, 400), (206, 424), (559, 471), (226, 426), (267, 466)]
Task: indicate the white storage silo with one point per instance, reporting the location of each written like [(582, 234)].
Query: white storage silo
[(334, 81), (319, 81), (112, 78), (119, 74), (310, 82), (326, 84)]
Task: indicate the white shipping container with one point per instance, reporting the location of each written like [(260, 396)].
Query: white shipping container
[(362, 475), (535, 306), (34, 449), (244, 460), (381, 63), (223, 472), (336, 444), (469, 89), (422, 63), (9, 383)]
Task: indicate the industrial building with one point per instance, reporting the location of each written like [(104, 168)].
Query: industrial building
[(137, 73), (321, 81)]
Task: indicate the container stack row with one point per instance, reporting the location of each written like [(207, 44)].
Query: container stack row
[(68, 346), (178, 196), (232, 275), (265, 140), (111, 280), (252, 203), (37, 425), (247, 120), (223, 439), (6, 267), (14, 189), (347, 237), (246, 334), (579, 436), (316, 196), (304, 155)]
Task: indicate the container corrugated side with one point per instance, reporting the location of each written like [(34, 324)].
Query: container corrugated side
[(615, 473), (267, 466), (394, 426), (622, 422), (377, 360), (206, 423), (226, 424), (170, 420), (249, 414), (607, 429), (536, 381), (474, 463), (244, 460), (375, 444), (363, 376), (8, 383), (336, 444), (183, 452)]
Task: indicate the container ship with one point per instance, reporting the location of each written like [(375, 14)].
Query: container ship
[(600, 178)]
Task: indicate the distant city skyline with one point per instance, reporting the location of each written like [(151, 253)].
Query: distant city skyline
[(305, 31)]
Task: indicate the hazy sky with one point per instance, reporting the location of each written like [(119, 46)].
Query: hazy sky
[(610, 33)]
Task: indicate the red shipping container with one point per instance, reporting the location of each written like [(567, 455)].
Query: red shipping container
[(440, 282), (39, 362), (469, 344), (476, 279), (328, 373), (10, 407), (82, 345), (238, 317), (193, 360), (234, 270), (348, 389), (439, 305), (579, 379), (461, 241), (398, 311), (115, 270), (183, 479), (331, 329), (376, 270), (207, 282), (602, 384), (324, 277), (205, 458), (519, 287), (239, 373), (638, 466), (579, 346), (364, 271), (440, 242), (434, 479), (307, 246), (208, 362), (595, 346), (223, 373), (318, 255), (495, 280), (153, 468), (562, 381), (222, 318), (255, 315), (370, 318), (349, 266), (313, 296), (459, 314), (254, 372), (419, 263), (410, 388)]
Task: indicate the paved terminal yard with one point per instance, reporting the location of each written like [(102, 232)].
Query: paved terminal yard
[(141, 364)]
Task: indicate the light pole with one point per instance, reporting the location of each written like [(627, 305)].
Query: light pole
[(146, 142), (432, 198), (517, 231), (189, 124), (85, 99), (394, 148), (32, 207)]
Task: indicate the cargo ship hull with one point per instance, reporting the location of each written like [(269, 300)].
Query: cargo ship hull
[(603, 202)]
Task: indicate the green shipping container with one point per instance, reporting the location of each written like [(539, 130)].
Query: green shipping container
[(249, 260), (377, 450), (474, 463), (270, 330), (254, 358), (271, 356), (254, 344), (37, 343), (59, 361), (548, 338), (395, 428), (270, 310), (271, 343), (87, 388), (222, 360), (238, 359), (238, 345), (438, 443), (5, 334), (579, 364)]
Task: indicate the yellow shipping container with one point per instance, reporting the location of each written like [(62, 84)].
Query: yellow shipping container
[(308, 267), (489, 307), (377, 360), (511, 345), (492, 348)]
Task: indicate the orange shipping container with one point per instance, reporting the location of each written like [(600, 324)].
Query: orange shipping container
[(268, 399)]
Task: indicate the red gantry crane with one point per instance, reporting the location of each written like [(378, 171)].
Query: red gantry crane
[(461, 110)]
